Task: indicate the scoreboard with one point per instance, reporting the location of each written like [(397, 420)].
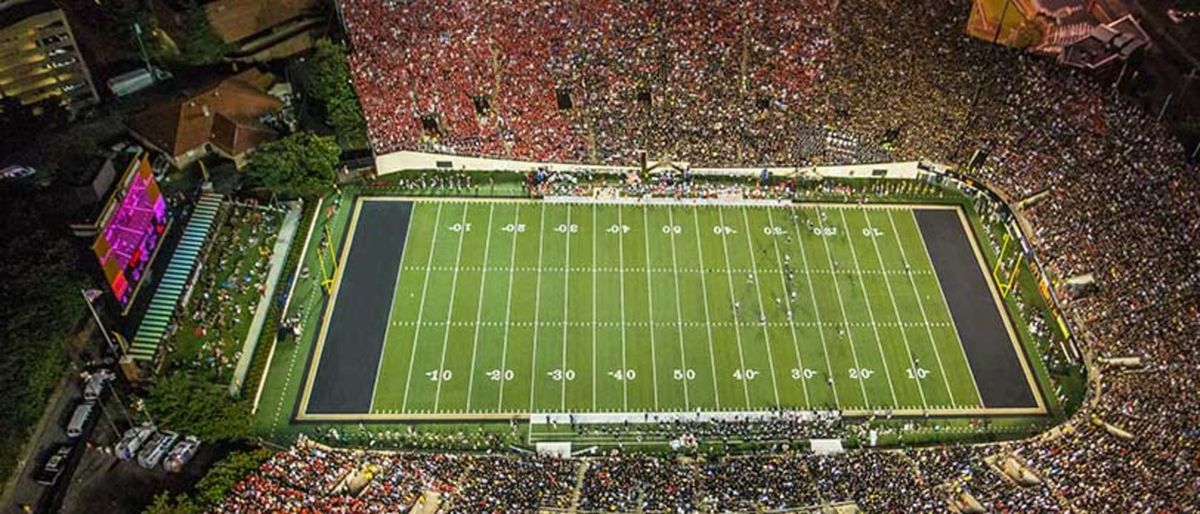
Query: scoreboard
[(132, 225)]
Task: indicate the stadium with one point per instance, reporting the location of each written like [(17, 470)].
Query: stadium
[(744, 256), (722, 257)]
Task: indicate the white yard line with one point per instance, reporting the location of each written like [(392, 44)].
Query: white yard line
[(912, 364), (437, 395), (595, 229), (421, 308), (650, 303), (845, 319), (761, 306), (621, 257), (508, 310), (537, 309), (712, 359), (687, 405), (870, 311), (791, 325), (812, 293), (487, 248), (562, 405), (733, 298), (945, 305)]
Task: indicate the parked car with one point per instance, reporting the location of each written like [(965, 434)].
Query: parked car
[(181, 454), (133, 440), (80, 419), (154, 451), (55, 464), (96, 383)]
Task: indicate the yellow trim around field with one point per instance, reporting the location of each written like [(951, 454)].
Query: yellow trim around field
[(1031, 381), (304, 415)]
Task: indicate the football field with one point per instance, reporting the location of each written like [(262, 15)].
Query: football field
[(465, 309)]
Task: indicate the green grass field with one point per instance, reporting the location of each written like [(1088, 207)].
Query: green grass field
[(520, 307)]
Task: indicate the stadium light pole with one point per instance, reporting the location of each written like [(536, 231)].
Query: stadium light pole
[(962, 134), (88, 296)]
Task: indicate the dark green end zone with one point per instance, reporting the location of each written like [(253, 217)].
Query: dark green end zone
[(349, 360)]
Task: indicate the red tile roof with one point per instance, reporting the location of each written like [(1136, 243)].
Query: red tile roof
[(225, 114)]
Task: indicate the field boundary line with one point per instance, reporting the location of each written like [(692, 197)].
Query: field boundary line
[(537, 308), (421, 309), (508, 311), (487, 249), (398, 417), (945, 305), (733, 297), (887, 371), (787, 297), (712, 359), (862, 383), (650, 304), (761, 307)]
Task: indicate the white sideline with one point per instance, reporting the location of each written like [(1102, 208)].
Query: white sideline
[(592, 418), (655, 200)]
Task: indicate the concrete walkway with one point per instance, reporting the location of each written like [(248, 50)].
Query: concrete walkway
[(278, 258)]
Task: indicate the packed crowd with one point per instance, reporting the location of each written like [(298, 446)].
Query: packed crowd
[(679, 184), (310, 478), (684, 77), (1109, 193), (782, 429), (214, 325)]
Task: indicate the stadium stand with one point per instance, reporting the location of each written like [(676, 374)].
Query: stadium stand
[(174, 280), (1105, 187)]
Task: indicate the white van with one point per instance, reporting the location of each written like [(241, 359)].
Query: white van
[(93, 388), (156, 449), (181, 454), (79, 419), (133, 440)]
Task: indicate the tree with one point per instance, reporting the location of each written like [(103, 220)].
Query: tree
[(41, 307), (132, 16), (182, 505), (187, 403), (297, 165), (18, 124), (199, 43), (214, 487), (329, 83), (225, 474)]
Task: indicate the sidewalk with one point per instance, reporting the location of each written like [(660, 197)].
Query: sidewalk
[(278, 258)]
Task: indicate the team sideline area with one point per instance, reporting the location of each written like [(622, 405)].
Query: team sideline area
[(451, 309)]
